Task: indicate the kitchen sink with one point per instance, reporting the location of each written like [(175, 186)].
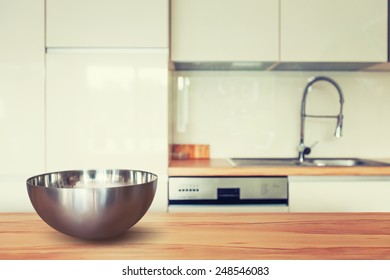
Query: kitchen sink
[(340, 162), (343, 162)]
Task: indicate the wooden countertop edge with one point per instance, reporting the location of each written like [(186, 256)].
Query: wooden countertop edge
[(221, 167), (353, 171)]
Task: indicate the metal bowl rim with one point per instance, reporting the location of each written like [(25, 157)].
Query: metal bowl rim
[(86, 170)]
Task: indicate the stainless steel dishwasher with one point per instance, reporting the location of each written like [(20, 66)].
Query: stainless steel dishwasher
[(228, 194)]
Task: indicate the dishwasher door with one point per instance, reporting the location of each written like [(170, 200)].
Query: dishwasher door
[(228, 194)]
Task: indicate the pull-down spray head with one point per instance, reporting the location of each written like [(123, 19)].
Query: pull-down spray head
[(339, 126)]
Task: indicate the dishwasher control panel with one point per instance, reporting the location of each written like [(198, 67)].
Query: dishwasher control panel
[(227, 190)]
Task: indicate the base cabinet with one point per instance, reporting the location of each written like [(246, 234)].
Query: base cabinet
[(339, 194)]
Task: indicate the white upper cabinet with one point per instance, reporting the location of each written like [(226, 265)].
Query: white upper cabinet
[(22, 59), (107, 23), (333, 30), (224, 30), (22, 112)]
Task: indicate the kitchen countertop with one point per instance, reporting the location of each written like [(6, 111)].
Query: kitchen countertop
[(209, 236), (222, 167)]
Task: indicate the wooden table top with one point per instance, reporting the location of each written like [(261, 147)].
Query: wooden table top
[(220, 236)]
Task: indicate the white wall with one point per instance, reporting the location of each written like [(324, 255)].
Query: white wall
[(257, 114)]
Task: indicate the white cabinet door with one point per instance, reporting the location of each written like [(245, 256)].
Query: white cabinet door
[(107, 23), (108, 109), (22, 120), (334, 31), (224, 30), (339, 194)]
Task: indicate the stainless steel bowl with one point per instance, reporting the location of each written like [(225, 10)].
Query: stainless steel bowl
[(92, 204)]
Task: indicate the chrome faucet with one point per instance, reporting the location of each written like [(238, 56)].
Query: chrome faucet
[(302, 148)]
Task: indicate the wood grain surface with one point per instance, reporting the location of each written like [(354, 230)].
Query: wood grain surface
[(194, 236), (190, 151)]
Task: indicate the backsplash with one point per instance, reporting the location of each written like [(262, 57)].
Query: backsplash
[(257, 114)]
